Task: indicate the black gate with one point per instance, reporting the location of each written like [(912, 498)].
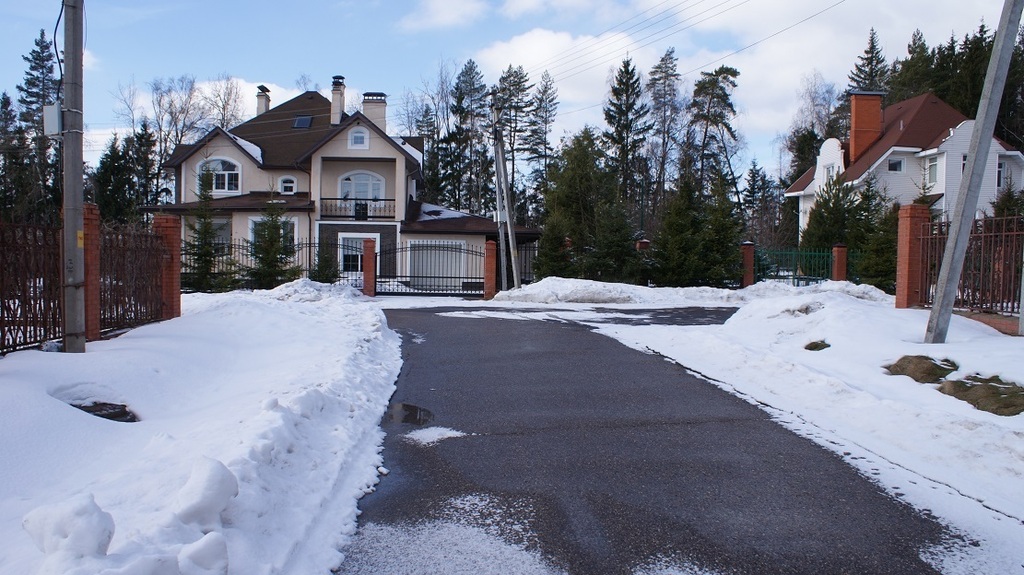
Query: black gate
[(435, 268)]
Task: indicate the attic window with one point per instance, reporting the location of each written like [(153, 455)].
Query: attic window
[(896, 165), (303, 121), (359, 138)]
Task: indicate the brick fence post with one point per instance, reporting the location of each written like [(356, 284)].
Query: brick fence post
[(839, 256), (908, 255), (747, 250), (490, 269), (91, 237), (369, 267), (168, 228)]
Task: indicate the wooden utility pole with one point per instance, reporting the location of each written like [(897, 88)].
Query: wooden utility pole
[(74, 238), (974, 172)]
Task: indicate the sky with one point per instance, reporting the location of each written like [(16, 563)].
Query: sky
[(259, 415), (397, 47)]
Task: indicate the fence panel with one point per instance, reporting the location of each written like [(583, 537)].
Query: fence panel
[(991, 276), (30, 286), (795, 267), (131, 261), (431, 268)]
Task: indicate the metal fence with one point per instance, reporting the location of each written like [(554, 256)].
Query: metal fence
[(30, 285), (436, 267), (991, 277), (131, 262), (795, 267)]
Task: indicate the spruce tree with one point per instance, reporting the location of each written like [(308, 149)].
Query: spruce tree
[(14, 168), (676, 247), (272, 251), (537, 146), (626, 115), (871, 72), (720, 259), (113, 185), (39, 88), (466, 164), (204, 268), (877, 265), (912, 75), (141, 156), (326, 269), (613, 256)]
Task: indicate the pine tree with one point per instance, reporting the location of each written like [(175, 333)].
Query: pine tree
[(676, 247), (141, 155), (912, 75), (877, 265), (513, 101), (114, 185), (39, 88), (626, 113), (871, 73), (272, 249), (666, 113), (537, 145), (466, 164), (721, 263), (711, 114), (14, 169), (201, 254)]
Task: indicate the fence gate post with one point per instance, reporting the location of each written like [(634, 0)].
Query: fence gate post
[(168, 228), (908, 255), (490, 269), (839, 262), (369, 267), (747, 250), (91, 236)]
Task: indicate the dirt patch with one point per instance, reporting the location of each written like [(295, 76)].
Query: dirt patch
[(111, 411), (987, 394), (922, 368), (817, 345)]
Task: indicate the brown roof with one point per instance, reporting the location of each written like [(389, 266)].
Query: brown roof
[(802, 182), (426, 218), (251, 202)]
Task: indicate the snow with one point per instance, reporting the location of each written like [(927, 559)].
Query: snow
[(250, 148), (434, 212), (259, 427)]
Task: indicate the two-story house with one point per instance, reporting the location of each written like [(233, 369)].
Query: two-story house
[(914, 148), (339, 177)]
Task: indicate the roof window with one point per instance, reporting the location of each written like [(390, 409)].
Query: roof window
[(303, 121)]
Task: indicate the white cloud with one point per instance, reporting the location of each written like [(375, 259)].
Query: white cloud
[(89, 60), (432, 14)]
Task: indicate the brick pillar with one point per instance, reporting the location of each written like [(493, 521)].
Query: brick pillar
[(490, 269), (908, 255), (747, 249), (839, 254), (168, 227), (369, 267), (91, 237)]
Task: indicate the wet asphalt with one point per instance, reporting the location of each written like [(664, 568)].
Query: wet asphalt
[(624, 456)]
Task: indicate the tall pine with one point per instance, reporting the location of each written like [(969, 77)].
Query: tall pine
[(39, 88), (626, 115)]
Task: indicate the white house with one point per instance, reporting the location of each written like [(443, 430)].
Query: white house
[(912, 148)]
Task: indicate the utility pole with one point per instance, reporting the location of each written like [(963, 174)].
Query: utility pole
[(74, 238), (505, 208), (974, 172)]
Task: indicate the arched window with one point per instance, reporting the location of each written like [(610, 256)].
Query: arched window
[(361, 186), (359, 138), (226, 175), (287, 185)]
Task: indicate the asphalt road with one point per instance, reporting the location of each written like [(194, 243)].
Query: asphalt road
[(623, 456)]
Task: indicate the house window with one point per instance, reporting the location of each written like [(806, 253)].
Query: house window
[(963, 164), (361, 185), (1000, 171), (359, 138), (221, 232), (896, 165), (931, 170), (287, 185), (830, 171), (287, 233), (303, 121), (226, 176), (350, 256)]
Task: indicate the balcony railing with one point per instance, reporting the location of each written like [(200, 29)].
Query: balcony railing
[(357, 209)]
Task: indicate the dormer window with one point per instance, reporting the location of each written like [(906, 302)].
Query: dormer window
[(287, 185), (359, 138), (226, 176)]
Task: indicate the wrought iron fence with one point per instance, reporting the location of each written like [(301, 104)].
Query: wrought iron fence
[(358, 209), (232, 261), (30, 285), (131, 262), (991, 277), (796, 267), (431, 268)]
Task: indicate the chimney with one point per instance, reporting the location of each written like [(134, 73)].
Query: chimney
[(865, 121), (375, 108), (262, 99), (337, 99)]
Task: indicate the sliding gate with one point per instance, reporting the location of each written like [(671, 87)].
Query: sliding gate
[(431, 267)]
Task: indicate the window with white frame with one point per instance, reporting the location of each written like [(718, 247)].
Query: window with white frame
[(361, 186), (931, 170), (350, 254), (287, 231), (896, 165), (830, 171), (963, 164), (221, 231), (359, 138), (1000, 175), (287, 185), (226, 174)]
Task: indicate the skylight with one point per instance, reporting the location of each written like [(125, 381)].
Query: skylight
[(303, 121)]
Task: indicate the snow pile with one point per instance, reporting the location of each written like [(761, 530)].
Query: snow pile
[(258, 433), (432, 435)]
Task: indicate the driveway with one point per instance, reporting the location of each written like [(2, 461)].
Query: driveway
[(583, 456)]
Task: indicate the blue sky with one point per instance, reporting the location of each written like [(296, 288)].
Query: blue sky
[(397, 46)]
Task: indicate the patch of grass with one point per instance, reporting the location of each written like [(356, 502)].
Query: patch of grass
[(990, 394), (922, 368), (817, 345)]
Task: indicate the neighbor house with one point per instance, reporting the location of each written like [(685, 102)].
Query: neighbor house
[(339, 177), (911, 150)]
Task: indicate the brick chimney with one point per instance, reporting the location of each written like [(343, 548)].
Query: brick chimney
[(337, 99), (262, 99), (375, 107), (865, 121)]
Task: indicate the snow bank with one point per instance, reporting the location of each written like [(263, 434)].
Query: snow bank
[(258, 433)]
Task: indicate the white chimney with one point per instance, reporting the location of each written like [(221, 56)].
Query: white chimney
[(337, 99), (375, 108), (262, 99)]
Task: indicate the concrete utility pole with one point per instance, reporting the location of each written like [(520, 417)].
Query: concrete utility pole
[(974, 172), (74, 239), (505, 215)]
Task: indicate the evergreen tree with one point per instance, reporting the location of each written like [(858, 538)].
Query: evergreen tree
[(842, 215), (140, 152), (720, 258), (912, 75), (272, 249), (1009, 201), (326, 269), (711, 114), (466, 164), (537, 145), (871, 73), (877, 265), (427, 128), (626, 113), (513, 101), (676, 247), (762, 209), (15, 176), (803, 145), (666, 113), (201, 254), (39, 88), (612, 257), (113, 185)]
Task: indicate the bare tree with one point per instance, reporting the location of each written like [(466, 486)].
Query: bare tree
[(180, 114), (410, 109), (305, 83), (818, 101), (223, 99), (127, 99)]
